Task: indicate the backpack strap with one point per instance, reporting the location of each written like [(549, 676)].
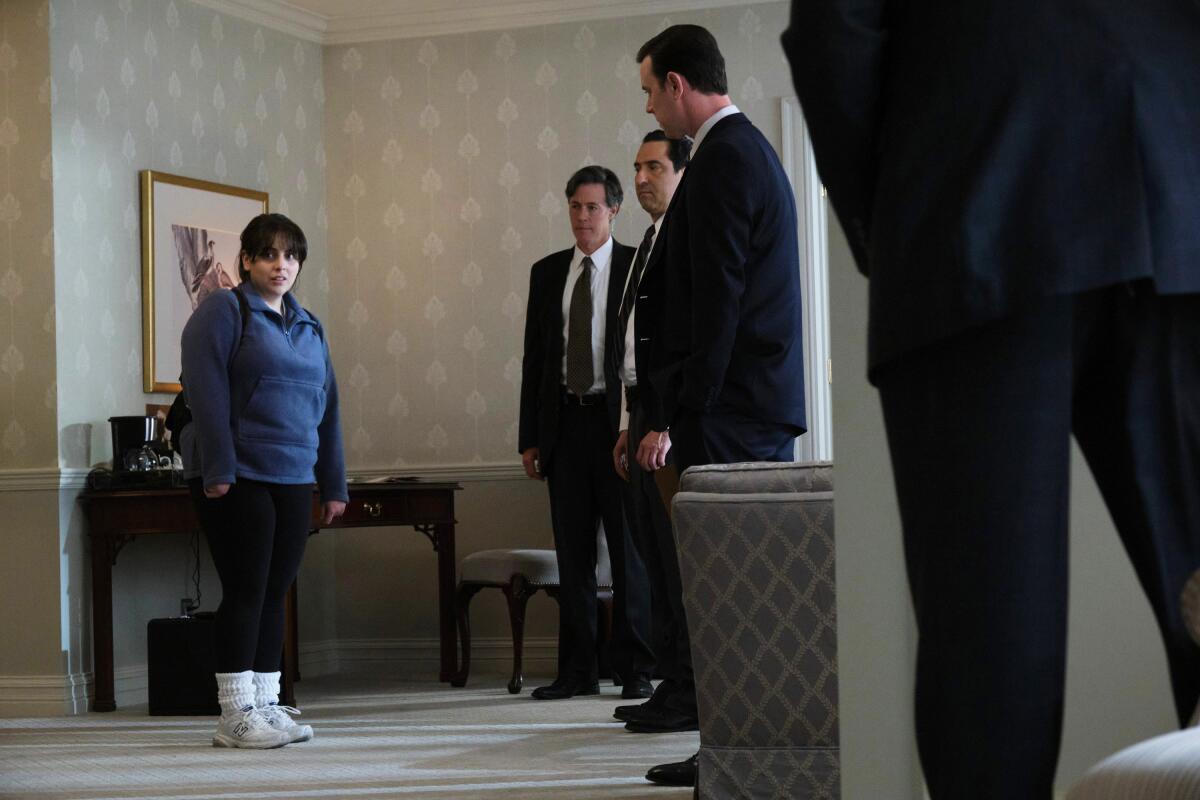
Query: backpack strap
[(244, 308), (244, 315), (316, 322), (180, 414)]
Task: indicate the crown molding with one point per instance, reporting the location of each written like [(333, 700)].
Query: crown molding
[(407, 19), (274, 14)]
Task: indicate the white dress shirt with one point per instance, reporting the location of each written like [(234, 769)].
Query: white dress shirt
[(628, 368), (601, 259), (708, 125)]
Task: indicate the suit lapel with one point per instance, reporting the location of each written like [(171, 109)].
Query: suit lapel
[(554, 295), (660, 246), (621, 260)]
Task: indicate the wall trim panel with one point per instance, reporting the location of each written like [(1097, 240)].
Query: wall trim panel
[(35, 480), (410, 659)]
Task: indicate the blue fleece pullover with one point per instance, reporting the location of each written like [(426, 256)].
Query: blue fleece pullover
[(267, 410)]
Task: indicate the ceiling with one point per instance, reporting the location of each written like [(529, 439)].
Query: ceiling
[(350, 21)]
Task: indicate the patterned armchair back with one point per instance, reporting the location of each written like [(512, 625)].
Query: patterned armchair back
[(756, 552)]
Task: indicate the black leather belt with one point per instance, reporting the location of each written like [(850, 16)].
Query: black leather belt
[(571, 399)]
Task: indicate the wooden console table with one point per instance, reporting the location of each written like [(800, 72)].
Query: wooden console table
[(118, 516)]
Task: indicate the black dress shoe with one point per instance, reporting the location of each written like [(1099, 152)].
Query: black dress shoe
[(656, 701), (626, 713), (562, 689), (635, 688), (679, 773), (661, 720)]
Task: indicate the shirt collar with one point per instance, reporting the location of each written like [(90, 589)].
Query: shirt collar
[(600, 258), (710, 122)]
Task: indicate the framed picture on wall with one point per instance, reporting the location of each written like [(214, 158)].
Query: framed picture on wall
[(190, 243)]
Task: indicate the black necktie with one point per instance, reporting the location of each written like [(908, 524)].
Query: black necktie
[(627, 300), (579, 333)]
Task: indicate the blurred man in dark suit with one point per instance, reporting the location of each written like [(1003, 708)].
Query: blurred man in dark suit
[(1020, 181)]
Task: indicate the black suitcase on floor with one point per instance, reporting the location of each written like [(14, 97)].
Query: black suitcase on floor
[(180, 661)]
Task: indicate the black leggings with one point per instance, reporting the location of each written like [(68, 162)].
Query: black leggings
[(256, 533)]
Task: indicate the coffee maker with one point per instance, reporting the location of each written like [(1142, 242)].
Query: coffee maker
[(137, 445)]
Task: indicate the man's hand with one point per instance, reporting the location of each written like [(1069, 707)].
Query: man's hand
[(531, 460), (621, 455), (216, 490), (652, 452), (332, 509)]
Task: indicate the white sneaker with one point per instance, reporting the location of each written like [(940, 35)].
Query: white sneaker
[(280, 718), (248, 728)]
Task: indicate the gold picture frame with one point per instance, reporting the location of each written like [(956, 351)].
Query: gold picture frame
[(190, 231)]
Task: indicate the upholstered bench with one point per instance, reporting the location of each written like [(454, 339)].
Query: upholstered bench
[(1163, 768), (520, 574), (1166, 767)]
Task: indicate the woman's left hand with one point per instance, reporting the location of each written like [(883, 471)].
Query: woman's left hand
[(332, 510)]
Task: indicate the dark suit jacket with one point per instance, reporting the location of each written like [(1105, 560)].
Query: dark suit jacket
[(731, 329), (541, 367), (982, 154), (648, 302)]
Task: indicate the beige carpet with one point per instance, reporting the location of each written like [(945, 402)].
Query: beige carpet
[(374, 739)]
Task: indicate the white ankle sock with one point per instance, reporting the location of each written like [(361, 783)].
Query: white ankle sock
[(235, 691), (266, 688)]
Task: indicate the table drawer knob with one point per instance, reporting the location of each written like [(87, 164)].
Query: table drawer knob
[(374, 509)]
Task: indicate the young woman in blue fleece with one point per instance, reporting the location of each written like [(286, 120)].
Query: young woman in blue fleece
[(264, 426)]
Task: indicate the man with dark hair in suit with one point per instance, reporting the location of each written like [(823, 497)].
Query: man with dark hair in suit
[(570, 402), (658, 168), (1020, 182), (727, 368)]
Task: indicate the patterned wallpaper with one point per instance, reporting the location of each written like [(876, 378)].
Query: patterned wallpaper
[(447, 161), (170, 86), (27, 364)]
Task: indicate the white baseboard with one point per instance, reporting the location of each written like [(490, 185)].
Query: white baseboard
[(418, 658), (47, 695), (319, 658), (22, 695), (70, 694)]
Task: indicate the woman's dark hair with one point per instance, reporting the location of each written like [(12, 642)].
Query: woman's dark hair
[(691, 51), (260, 236)]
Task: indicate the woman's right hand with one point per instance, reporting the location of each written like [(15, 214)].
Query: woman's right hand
[(216, 490)]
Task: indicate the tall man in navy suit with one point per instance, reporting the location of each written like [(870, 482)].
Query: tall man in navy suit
[(1019, 179), (727, 369), (570, 404)]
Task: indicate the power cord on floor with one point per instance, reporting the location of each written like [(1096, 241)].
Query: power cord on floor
[(188, 605)]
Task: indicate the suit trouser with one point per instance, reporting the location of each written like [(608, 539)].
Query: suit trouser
[(585, 491), (655, 541), (979, 430)]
